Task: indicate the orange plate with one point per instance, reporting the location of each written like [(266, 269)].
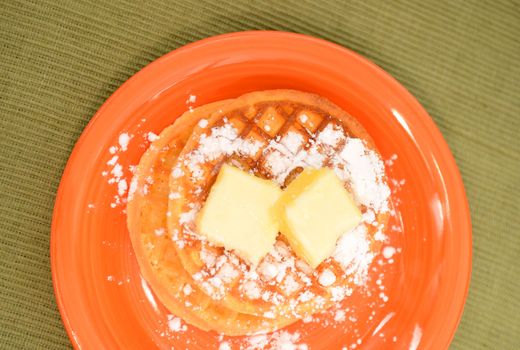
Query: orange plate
[(101, 296)]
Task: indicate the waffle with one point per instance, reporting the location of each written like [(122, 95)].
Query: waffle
[(274, 135), (155, 252)]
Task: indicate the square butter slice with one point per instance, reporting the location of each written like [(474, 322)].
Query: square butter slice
[(239, 214), (315, 210)]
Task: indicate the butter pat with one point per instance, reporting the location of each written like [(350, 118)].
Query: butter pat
[(239, 214), (314, 211)]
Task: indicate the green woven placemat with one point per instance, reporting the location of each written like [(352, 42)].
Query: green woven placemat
[(60, 60)]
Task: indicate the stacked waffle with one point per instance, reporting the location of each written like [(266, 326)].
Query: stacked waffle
[(273, 135)]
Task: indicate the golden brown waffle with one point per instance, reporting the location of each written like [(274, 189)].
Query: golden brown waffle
[(155, 252), (258, 132)]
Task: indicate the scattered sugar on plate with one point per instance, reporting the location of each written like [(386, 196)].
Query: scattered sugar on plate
[(124, 139), (388, 252), (122, 186), (175, 324), (113, 161), (150, 136), (191, 99), (339, 316), (390, 161)]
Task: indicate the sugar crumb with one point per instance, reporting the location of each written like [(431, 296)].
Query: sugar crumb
[(175, 324), (327, 278), (203, 123), (388, 252), (152, 136), (224, 346), (159, 231), (124, 139), (191, 99)]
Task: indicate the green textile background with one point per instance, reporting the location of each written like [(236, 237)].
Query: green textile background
[(60, 60)]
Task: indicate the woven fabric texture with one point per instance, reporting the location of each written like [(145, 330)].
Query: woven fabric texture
[(60, 60)]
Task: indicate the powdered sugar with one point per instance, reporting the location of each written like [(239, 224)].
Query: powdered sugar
[(116, 172), (286, 154), (290, 285), (353, 254), (191, 99), (187, 289), (203, 123), (252, 290), (122, 187), (123, 140), (159, 231), (282, 340), (330, 136), (133, 188), (365, 170), (208, 258), (388, 252), (355, 163), (327, 278), (221, 141), (174, 195), (292, 141), (224, 346), (151, 137), (175, 324), (268, 271), (177, 172), (187, 217)]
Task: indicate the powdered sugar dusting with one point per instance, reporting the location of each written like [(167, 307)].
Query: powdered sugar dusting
[(353, 253), (224, 346), (388, 252), (365, 170), (122, 187), (222, 141), (281, 340), (151, 137), (354, 163), (327, 278), (175, 324), (115, 171), (203, 123), (124, 139), (330, 136)]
